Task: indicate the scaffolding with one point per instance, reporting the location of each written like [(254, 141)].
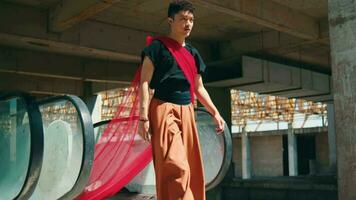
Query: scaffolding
[(251, 106)]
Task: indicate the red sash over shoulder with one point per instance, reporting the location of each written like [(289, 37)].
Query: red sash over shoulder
[(183, 57)]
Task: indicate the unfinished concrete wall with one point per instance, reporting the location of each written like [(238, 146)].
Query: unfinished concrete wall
[(322, 153), (267, 156), (236, 156)]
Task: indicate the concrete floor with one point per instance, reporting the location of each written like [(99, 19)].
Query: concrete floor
[(278, 188)]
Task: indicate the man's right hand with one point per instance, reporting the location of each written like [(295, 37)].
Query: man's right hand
[(144, 130)]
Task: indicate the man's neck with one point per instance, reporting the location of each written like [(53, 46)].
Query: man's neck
[(180, 39)]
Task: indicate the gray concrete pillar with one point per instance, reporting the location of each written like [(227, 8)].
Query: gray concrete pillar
[(95, 106), (342, 28), (331, 138), (88, 96), (292, 152), (246, 155)]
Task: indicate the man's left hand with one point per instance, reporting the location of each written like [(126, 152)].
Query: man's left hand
[(220, 124)]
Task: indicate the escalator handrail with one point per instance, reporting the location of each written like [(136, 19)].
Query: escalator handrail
[(97, 124), (88, 141), (36, 143)]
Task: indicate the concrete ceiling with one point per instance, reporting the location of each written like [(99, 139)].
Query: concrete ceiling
[(45, 4), (115, 30), (313, 8), (151, 15)]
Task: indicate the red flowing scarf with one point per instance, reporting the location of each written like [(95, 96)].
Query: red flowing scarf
[(120, 153)]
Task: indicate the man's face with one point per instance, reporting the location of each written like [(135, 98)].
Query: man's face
[(182, 24)]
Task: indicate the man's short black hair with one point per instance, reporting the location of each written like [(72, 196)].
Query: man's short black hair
[(179, 5)]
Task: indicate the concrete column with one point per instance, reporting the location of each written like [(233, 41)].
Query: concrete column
[(96, 104), (331, 138), (92, 101), (342, 27), (88, 96), (292, 152), (246, 155)]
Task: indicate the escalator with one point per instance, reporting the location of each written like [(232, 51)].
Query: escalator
[(21, 145), (47, 147), (68, 148)]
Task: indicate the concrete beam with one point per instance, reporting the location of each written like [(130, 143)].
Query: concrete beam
[(298, 131), (64, 48), (68, 12), (51, 86), (40, 85), (275, 43), (49, 65), (270, 77), (268, 14), (89, 39)]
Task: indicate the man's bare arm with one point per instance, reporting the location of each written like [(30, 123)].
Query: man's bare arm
[(205, 99), (146, 75)]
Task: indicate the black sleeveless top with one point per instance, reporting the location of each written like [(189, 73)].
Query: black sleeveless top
[(168, 79)]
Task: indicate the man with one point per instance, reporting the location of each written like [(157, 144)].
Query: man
[(167, 120)]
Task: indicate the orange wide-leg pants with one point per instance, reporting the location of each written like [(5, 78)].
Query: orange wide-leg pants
[(176, 152)]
